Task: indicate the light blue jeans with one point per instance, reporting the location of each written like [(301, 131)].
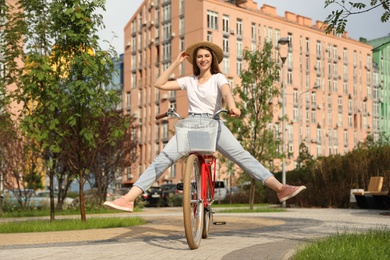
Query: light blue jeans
[(227, 145)]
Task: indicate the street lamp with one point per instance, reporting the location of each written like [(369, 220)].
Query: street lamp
[(300, 111), (283, 41)]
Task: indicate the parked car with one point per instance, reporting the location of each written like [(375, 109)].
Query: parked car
[(11, 197), (153, 196), (170, 192), (220, 191), (42, 198), (233, 190)]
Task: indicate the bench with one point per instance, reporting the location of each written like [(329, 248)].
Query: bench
[(373, 197)]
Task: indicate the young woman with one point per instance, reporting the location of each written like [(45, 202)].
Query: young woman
[(206, 90)]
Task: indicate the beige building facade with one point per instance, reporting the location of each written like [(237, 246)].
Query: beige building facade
[(328, 78)]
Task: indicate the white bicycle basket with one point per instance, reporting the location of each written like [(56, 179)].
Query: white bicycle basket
[(196, 135)]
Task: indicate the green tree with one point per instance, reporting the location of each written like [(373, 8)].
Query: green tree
[(256, 93), (304, 157), (338, 19), (112, 152), (62, 83)]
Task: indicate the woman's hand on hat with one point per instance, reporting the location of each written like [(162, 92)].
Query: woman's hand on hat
[(181, 57)]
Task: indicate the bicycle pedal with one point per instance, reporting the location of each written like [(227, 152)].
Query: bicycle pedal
[(219, 223)]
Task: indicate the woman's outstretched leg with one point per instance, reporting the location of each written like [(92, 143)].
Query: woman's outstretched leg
[(161, 163), (229, 147), (284, 192), (125, 202)]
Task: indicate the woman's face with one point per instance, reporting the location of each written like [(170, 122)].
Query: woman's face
[(204, 59)]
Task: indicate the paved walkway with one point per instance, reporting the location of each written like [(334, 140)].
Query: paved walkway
[(245, 236)]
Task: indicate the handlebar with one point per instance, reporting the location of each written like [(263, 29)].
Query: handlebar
[(172, 111)]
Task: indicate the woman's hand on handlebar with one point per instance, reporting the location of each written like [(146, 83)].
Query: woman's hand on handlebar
[(235, 112)]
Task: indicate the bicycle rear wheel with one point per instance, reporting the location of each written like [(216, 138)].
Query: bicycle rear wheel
[(193, 211)]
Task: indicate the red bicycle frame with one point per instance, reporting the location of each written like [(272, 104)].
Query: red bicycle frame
[(207, 177)]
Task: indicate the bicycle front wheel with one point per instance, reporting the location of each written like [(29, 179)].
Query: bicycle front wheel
[(193, 211)]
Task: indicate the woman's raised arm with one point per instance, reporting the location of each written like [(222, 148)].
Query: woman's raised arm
[(162, 82)]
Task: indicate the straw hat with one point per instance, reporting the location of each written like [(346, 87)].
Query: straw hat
[(215, 48)]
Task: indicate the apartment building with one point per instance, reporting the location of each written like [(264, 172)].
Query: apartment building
[(14, 107), (381, 59), (329, 84)]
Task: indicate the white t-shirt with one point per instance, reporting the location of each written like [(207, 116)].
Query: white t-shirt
[(206, 97)]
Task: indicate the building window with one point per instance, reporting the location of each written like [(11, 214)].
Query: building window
[(209, 36), (133, 80), (165, 131), (270, 35), (289, 77), (313, 117), (167, 51), (335, 138), (307, 46), (253, 32), (212, 20), (318, 49), (345, 56), (335, 73), (239, 28), (277, 37), (128, 101), (226, 66), (259, 33), (166, 16), (345, 134), (238, 67), (340, 104), (182, 7), (319, 135), (330, 118), (167, 34), (239, 49), (334, 53), (225, 24), (295, 114), (181, 26), (335, 86), (225, 46)]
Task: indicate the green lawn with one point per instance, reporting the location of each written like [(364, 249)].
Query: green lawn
[(46, 212), (370, 245), (68, 224)]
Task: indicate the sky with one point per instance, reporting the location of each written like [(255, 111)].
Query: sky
[(366, 25)]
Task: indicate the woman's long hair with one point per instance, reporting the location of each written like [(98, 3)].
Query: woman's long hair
[(214, 68)]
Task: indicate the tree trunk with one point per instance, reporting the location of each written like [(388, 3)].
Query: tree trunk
[(51, 187), (252, 192), (82, 205)]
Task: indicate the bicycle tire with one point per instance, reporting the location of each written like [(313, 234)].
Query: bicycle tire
[(193, 211), (208, 213)]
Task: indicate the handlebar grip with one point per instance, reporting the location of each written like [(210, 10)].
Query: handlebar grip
[(161, 116)]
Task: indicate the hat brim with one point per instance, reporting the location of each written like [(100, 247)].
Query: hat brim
[(212, 46)]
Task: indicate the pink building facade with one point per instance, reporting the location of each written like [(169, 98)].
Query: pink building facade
[(328, 78)]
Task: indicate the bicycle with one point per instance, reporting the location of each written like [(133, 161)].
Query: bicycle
[(196, 137)]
